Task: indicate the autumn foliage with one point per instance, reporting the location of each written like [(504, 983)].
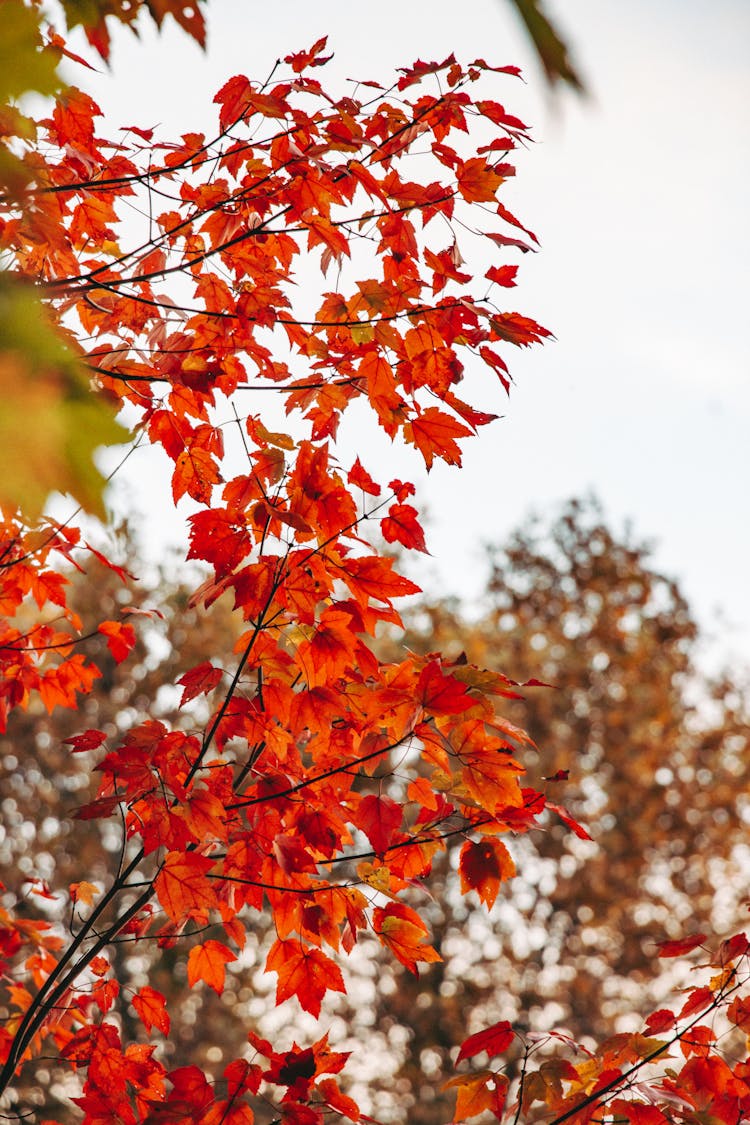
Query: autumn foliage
[(324, 781)]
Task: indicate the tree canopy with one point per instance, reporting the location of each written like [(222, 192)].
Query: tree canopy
[(306, 782)]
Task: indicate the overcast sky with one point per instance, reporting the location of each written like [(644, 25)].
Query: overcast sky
[(639, 197)]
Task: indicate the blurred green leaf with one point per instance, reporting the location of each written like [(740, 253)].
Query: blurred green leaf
[(550, 47), (23, 66), (51, 420)]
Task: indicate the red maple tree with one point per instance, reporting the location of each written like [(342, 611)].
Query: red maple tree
[(324, 781)]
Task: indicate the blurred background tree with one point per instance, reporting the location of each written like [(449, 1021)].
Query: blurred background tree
[(657, 757)]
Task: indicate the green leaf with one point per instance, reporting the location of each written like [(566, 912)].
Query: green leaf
[(550, 47), (24, 65), (51, 420)]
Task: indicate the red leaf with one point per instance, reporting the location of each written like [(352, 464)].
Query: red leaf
[(120, 638), (302, 59), (660, 1021), (698, 1000), (679, 948), (739, 1013), (362, 479), (379, 818), (483, 865), (150, 1006), (441, 694), (89, 740), (120, 571), (568, 820), (401, 526), (503, 275), (494, 1040), (199, 681)]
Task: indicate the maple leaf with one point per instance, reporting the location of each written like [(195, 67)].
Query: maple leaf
[(182, 887), (300, 60), (84, 892), (434, 433), (337, 1101), (401, 526), (195, 473), (440, 693), (478, 181), (502, 275), (402, 930), (739, 1012), (681, 947), (568, 820), (200, 680), (208, 962), (483, 865), (660, 1021), (495, 1040), (358, 476), (120, 638), (477, 1093), (151, 1009), (379, 818), (89, 740), (303, 972)]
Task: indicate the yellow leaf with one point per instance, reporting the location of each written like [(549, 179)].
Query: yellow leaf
[(362, 333), (84, 892), (378, 878)]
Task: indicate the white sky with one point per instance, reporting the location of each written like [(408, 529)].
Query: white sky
[(639, 197)]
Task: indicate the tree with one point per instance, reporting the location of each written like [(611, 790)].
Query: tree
[(323, 781), (651, 755)]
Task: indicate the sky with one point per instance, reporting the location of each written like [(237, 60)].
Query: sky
[(638, 195)]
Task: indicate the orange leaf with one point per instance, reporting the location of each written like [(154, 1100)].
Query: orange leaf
[(434, 433), (84, 892), (182, 887), (477, 181), (405, 934), (195, 473), (208, 962), (329, 1090), (305, 973), (474, 1094)]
